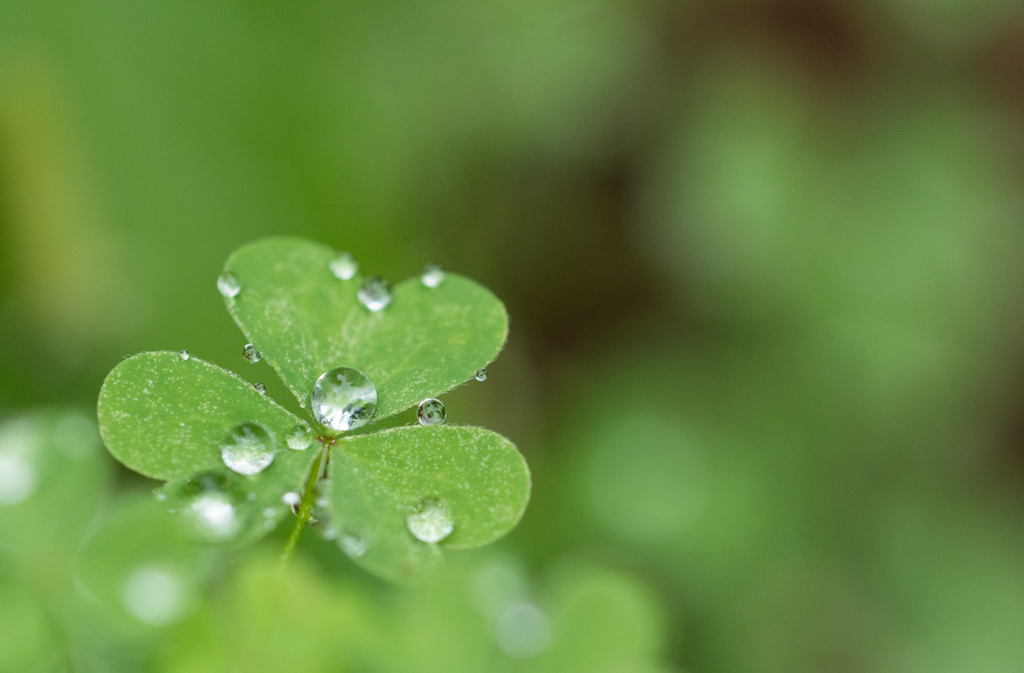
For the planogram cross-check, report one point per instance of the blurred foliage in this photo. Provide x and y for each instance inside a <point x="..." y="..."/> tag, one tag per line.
<point x="761" y="259"/>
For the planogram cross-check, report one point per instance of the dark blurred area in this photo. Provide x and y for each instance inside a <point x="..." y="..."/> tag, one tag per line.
<point x="763" y="266"/>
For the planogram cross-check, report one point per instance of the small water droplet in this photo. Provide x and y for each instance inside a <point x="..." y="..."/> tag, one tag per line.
<point x="248" y="448"/>
<point x="522" y="631"/>
<point x="481" y="374"/>
<point x="159" y="495"/>
<point x="185" y="355"/>
<point x="269" y="513"/>
<point x="343" y="399"/>
<point x="250" y="354"/>
<point x="329" y="533"/>
<point x="430" y="522"/>
<point x="156" y="596"/>
<point x="291" y="498"/>
<point x="353" y="545"/>
<point x="300" y="438"/>
<point x="433" y="275"/>
<point x="430" y="412"/>
<point x="228" y="285"/>
<point x="344" y="266"/>
<point x="209" y="506"/>
<point x="18" y="478"/>
<point x="261" y="388"/>
<point x="374" y="293"/>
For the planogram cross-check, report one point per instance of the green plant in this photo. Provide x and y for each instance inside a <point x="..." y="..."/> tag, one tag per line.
<point x="392" y="498"/>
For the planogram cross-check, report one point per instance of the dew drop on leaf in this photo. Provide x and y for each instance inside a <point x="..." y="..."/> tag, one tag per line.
<point x="185" y="355"/>
<point x="300" y="438"/>
<point x="209" y="507"/>
<point x="155" y="596"/>
<point x="261" y="388"/>
<point x="431" y="521"/>
<point x="481" y="374"/>
<point x="248" y="448"/>
<point x="250" y="354"/>
<point x="433" y="275"/>
<point x="344" y="266"/>
<point x="228" y="285"/>
<point x="430" y="412"/>
<point x="353" y="545"/>
<point x="343" y="399"/>
<point x="374" y="293"/>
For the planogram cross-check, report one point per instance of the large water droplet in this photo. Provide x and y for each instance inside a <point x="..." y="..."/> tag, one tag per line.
<point x="185" y="355"/>
<point x="18" y="479"/>
<point x="522" y="631"/>
<point x="343" y="399"/>
<point x="433" y="275"/>
<point x="344" y="266"/>
<point x="300" y="438"/>
<point x="248" y="448"/>
<point x="353" y="544"/>
<point x="430" y="412"/>
<point x="431" y="521"/>
<point x="228" y="285"/>
<point x="481" y="374"/>
<point x="250" y="354"/>
<point x="210" y="507"/>
<point x="156" y="596"/>
<point x="374" y="293"/>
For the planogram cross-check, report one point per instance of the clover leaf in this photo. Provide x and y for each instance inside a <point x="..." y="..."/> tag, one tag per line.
<point x="391" y="498"/>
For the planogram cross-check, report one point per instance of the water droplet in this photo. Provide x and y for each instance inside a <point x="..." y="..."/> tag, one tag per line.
<point x="269" y="513"/>
<point x="329" y="533"/>
<point x="300" y="438"/>
<point x="481" y="374"/>
<point x="343" y="399"/>
<point x="250" y="354"/>
<point x="374" y="293"/>
<point x="185" y="355"/>
<point x="248" y="448"/>
<point x="228" y="285"/>
<point x="159" y="495"/>
<point x="430" y="522"/>
<point x="353" y="545"/>
<point x="344" y="266"/>
<point x="291" y="498"/>
<point x="430" y="412"/>
<point x="433" y="275"/>
<point x="156" y="596"/>
<point x="522" y="631"/>
<point x="261" y="388"/>
<point x="209" y="506"/>
<point x="18" y="479"/>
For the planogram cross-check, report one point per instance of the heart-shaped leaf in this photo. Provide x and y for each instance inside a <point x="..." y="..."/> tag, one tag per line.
<point x="166" y="417"/>
<point x="474" y="478"/>
<point x="306" y="321"/>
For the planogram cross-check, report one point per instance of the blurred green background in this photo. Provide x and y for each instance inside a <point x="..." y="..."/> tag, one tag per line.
<point x="763" y="266"/>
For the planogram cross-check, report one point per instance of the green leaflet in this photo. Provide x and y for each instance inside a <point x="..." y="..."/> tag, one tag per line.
<point x="377" y="480"/>
<point x="305" y="322"/>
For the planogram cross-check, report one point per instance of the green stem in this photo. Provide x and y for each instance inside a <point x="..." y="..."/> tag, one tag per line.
<point x="306" y="508"/>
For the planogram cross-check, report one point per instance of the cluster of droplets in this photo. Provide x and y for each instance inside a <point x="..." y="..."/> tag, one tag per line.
<point x="375" y="292"/>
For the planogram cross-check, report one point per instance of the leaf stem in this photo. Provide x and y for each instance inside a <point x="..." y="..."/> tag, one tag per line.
<point x="306" y="508"/>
